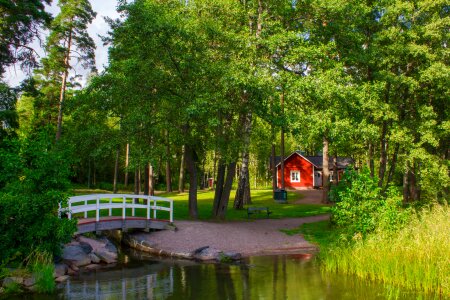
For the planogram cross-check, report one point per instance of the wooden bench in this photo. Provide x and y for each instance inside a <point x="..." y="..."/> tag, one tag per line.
<point x="258" y="210"/>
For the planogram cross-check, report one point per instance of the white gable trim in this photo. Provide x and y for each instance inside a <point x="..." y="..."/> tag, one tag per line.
<point x="295" y="152"/>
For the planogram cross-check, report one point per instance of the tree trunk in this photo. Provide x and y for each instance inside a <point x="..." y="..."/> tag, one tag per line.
<point x="147" y="179"/>
<point x="220" y="210"/>
<point x="192" y="169"/>
<point x="243" y="189"/>
<point x="181" y="178"/>
<point x="392" y="165"/>
<point x="168" y="173"/>
<point x="62" y="93"/>
<point x="214" y="169"/>
<point x="94" y="177"/>
<point x="371" y="162"/>
<point x="219" y="186"/>
<point x="127" y="159"/>
<point x="274" y="171"/>
<point x="116" y="171"/>
<point x="282" y="145"/>
<point x="413" y="186"/>
<point x="325" y="171"/>
<point x="89" y="173"/>
<point x="406" y="184"/>
<point x="335" y="170"/>
<point x="137" y="181"/>
<point x="151" y="181"/>
<point x="383" y="154"/>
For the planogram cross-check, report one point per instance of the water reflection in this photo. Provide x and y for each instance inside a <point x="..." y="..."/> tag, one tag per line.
<point x="276" y="277"/>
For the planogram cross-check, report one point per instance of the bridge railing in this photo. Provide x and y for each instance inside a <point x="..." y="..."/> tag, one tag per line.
<point x="98" y="202"/>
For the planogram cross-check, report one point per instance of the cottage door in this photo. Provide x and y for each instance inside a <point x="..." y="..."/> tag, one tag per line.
<point x="317" y="178"/>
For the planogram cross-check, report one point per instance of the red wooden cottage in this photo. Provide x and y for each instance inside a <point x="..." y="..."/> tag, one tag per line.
<point x="303" y="172"/>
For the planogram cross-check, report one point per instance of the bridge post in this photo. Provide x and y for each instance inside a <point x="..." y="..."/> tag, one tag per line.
<point x="171" y="211"/>
<point x="97" y="212"/>
<point x="97" y="215"/>
<point x="148" y="208"/>
<point x="85" y="213"/>
<point x="124" y="207"/>
<point x="154" y="210"/>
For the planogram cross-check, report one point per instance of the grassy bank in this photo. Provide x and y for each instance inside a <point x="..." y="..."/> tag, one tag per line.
<point x="415" y="257"/>
<point x="205" y="201"/>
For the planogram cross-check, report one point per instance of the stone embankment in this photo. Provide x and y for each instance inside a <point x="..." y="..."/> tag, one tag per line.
<point x="80" y="254"/>
<point x="204" y="253"/>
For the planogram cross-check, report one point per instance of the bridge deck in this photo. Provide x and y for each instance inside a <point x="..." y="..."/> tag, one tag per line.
<point x="109" y="223"/>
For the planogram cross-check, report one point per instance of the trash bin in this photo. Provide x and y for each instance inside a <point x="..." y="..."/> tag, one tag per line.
<point x="280" y="196"/>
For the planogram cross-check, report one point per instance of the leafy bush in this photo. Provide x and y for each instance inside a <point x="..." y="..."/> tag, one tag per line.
<point x="30" y="198"/>
<point x="361" y="208"/>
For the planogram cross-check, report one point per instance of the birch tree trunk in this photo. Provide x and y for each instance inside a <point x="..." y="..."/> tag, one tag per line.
<point x="243" y="190"/>
<point x="151" y="180"/>
<point x="220" y="207"/>
<point x="62" y="93"/>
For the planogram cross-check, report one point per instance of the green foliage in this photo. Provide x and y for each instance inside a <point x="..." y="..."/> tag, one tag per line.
<point x="20" y="22"/>
<point x="30" y="199"/>
<point x="8" y="114"/>
<point x="361" y="207"/>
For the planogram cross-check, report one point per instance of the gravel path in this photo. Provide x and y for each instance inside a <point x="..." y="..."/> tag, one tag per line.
<point x="261" y="236"/>
<point x="310" y="197"/>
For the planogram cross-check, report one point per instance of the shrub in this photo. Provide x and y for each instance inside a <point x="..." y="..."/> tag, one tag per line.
<point x="361" y="208"/>
<point x="29" y="201"/>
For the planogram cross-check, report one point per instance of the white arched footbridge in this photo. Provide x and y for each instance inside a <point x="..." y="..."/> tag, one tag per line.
<point x="99" y="212"/>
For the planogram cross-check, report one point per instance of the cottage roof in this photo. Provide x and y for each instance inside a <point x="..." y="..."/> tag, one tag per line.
<point x="317" y="161"/>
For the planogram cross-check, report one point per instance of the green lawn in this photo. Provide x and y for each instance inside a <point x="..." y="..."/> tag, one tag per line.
<point x="205" y="201"/>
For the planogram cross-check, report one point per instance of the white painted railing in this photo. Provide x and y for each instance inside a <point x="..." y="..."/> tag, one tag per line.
<point x="83" y="204"/>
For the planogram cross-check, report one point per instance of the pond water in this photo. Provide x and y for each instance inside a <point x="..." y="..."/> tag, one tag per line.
<point x="269" y="277"/>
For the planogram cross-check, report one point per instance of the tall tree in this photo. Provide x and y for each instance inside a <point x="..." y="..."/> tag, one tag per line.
<point x="69" y="38"/>
<point x="20" y="23"/>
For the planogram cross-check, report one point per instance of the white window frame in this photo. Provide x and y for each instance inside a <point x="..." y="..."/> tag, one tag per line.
<point x="292" y="172"/>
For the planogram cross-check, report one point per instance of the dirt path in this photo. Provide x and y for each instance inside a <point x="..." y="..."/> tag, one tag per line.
<point x="310" y="197"/>
<point x="249" y="238"/>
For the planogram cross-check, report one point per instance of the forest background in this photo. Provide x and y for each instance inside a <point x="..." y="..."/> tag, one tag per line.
<point x="216" y="89"/>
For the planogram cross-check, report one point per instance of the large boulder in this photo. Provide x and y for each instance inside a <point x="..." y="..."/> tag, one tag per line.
<point x="106" y="256"/>
<point x="103" y="249"/>
<point x="86" y="247"/>
<point x="75" y="255"/>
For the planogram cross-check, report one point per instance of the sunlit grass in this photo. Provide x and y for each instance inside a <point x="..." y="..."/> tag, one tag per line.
<point x="259" y="198"/>
<point x="416" y="257"/>
<point x="205" y="201"/>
